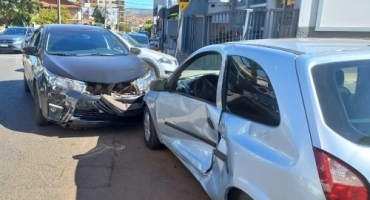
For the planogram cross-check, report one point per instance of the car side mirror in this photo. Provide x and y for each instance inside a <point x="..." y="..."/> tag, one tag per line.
<point x="29" y="50"/>
<point x="135" y="50"/>
<point x="159" y="85"/>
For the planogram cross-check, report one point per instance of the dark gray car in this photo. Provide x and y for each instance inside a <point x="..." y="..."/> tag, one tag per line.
<point x="83" y="75"/>
<point x="13" y="38"/>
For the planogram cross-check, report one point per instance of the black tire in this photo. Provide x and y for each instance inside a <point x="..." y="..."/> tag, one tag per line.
<point x="150" y="135"/>
<point x="39" y="118"/>
<point x="26" y="88"/>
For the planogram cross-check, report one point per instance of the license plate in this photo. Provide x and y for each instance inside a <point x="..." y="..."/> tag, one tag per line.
<point x="3" y="45"/>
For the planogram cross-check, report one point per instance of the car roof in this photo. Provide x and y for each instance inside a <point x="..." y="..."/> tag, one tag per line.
<point x="72" y="26"/>
<point x="310" y="45"/>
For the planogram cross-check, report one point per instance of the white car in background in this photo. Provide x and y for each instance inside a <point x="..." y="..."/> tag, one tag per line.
<point x="163" y="65"/>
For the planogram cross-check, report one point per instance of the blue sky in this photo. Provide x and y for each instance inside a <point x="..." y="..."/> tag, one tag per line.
<point x="139" y="4"/>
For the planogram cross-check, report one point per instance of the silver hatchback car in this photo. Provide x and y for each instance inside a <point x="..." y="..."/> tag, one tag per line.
<point x="269" y="119"/>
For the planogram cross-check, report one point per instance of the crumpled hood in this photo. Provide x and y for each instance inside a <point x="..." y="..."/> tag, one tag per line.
<point x="156" y="54"/>
<point x="96" y="69"/>
<point x="11" y="37"/>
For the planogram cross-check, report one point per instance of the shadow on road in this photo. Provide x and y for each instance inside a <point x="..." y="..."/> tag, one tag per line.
<point x="118" y="167"/>
<point x="19" y="70"/>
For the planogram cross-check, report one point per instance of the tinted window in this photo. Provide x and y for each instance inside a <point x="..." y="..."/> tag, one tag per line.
<point x="130" y="40"/>
<point x="343" y="90"/>
<point x="141" y="39"/>
<point x="249" y="93"/>
<point x="84" y="42"/>
<point x="15" y="31"/>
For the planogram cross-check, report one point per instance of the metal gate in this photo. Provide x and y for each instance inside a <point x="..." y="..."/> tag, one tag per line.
<point x="250" y="24"/>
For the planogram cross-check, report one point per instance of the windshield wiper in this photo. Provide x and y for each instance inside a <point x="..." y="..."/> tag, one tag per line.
<point x="62" y="54"/>
<point x="96" y="54"/>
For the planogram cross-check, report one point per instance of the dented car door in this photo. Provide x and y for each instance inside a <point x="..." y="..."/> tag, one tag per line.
<point x="188" y="115"/>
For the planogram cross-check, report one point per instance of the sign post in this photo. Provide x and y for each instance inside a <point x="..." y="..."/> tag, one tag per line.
<point x="183" y="4"/>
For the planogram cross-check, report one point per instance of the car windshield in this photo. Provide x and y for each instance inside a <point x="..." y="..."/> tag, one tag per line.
<point x="141" y="39"/>
<point x="15" y="31"/>
<point x="130" y="40"/>
<point x="343" y="90"/>
<point x="84" y="42"/>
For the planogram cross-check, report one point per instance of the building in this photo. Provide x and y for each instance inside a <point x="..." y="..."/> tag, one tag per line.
<point x="218" y="21"/>
<point x="74" y="8"/>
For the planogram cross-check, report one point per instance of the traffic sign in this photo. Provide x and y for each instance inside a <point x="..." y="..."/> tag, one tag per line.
<point x="183" y="4"/>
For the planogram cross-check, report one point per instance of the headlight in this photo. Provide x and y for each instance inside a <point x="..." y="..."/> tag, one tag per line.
<point x="18" y="40"/>
<point x="64" y="84"/>
<point x="143" y="82"/>
<point x="165" y="60"/>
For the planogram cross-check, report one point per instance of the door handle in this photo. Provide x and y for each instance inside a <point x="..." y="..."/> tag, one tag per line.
<point x="210" y="123"/>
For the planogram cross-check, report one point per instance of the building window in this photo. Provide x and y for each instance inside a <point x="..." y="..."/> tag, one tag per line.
<point x="249" y="93"/>
<point x="285" y="3"/>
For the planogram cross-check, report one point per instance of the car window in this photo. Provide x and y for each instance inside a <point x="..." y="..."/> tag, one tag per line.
<point x="84" y="42"/>
<point x="130" y="40"/>
<point x="35" y="40"/>
<point x="249" y="92"/>
<point x="140" y="39"/>
<point x="199" y="78"/>
<point x="15" y="31"/>
<point x="343" y="91"/>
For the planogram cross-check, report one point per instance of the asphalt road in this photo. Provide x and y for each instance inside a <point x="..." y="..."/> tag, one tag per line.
<point x="57" y="163"/>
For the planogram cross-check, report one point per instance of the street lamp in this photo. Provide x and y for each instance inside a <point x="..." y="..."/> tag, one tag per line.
<point x="58" y="8"/>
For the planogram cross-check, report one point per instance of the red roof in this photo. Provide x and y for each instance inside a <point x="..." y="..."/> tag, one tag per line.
<point x="63" y="3"/>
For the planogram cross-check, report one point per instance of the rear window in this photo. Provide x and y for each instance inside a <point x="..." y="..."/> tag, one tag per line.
<point x="141" y="39"/>
<point x="343" y="90"/>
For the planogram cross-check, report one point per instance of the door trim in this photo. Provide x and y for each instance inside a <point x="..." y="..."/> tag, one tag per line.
<point x="205" y="140"/>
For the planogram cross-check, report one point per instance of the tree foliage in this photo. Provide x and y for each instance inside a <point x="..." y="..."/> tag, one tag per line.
<point x="50" y="16"/>
<point x="18" y="12"/>
<point x="124" y="27"/>
<point x="98" y="15"/>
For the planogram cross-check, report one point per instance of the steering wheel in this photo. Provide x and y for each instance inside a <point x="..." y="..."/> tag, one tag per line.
<point x="204" y="89"/>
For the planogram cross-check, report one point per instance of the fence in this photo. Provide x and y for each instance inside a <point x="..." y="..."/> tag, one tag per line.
<point x="250" y="24"/>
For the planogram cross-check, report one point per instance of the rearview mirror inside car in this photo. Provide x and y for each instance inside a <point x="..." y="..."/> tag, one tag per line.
<point x="159" y="84"/>
<point x="135" y="51"/>
<point x="29" y="50"/>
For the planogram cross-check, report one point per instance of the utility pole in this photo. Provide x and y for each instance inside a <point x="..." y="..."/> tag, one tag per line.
<point x="105" y="14"/>
<point x="82" y="11"/>
<point x="58" y="8"/>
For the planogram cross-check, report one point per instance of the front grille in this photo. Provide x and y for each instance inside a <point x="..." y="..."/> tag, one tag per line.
<point x="6" y="41"/>
<point x="118" y="88"/>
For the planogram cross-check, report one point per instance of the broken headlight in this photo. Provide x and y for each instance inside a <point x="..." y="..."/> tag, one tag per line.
<point x="143" y="82"/>
<point x="59" y="83"/>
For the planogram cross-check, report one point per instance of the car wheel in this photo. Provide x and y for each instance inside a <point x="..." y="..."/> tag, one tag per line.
<point x="26" y="88"/>
<point x="150" y="135"/>
<point x="39" y="118"/>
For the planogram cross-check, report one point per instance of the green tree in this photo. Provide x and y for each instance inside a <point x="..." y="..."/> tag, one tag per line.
<point x="124" y="27"/>
<point x="149" y="21"/>
<point x="50" y="16"/>
<point x="98" y="15"/>
<point x="17" y="11"/>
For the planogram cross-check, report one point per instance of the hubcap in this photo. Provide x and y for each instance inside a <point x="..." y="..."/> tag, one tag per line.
<point x="147" y="126"/>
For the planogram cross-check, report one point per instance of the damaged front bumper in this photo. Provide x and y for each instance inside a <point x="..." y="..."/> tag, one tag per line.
<point x="93" y="105"/>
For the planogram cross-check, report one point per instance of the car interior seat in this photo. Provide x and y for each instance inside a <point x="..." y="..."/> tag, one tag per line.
<point x="344" y="92"/>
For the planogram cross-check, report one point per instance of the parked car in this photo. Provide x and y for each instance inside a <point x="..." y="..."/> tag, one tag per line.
<point x="142" y="39"/>
<point x="269" y="119"/>
<point x="83" y="75"/>
<point x="13" y="38"/>
<point x="163" y="65"/>
<point x="144" y="32"/>
<point x="154" y="44"/>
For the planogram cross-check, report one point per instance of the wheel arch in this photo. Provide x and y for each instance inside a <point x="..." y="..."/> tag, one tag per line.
<point x="234" y="193"/>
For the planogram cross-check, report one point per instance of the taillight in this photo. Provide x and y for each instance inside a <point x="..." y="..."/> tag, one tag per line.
<point x="337" y="180"/>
